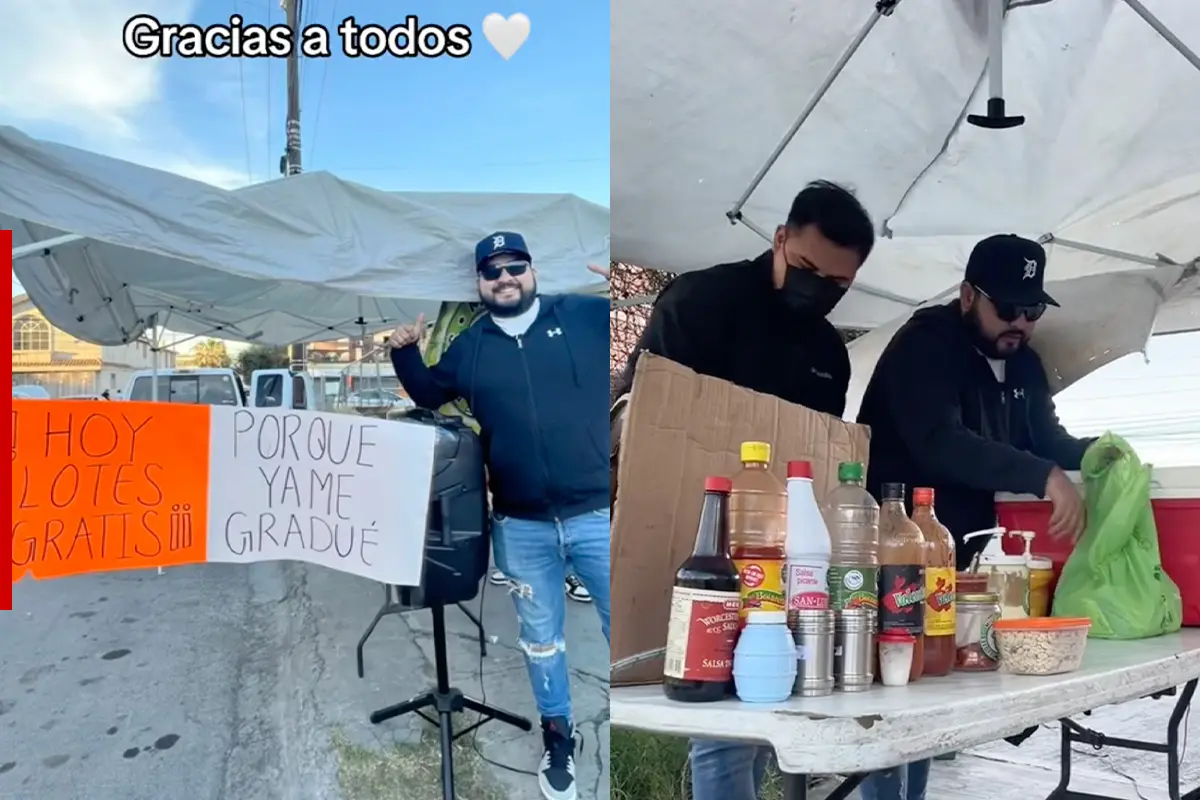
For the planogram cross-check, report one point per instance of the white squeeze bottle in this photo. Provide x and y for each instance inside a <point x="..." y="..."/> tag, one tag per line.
<point x="807" y="547"/>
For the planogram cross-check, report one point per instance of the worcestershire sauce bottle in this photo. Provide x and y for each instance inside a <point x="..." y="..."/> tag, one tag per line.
<point x="705" y="603"/>
<point x="902" y="560"/>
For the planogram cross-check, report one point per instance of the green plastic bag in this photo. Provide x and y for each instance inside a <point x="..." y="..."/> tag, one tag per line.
<point x="1115" y="576"/>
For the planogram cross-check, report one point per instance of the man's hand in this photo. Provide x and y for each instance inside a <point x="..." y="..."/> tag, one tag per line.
<point x="407" y="333"/>
<point x="1069" y="516"/>
<point x="603" y="272"/>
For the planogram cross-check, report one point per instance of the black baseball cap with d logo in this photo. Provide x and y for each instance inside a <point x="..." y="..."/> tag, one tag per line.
<point x="1011" y="272"/>
<point x="498" y="243"/>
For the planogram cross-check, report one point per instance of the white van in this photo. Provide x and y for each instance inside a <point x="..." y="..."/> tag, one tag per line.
<point x="221" y="386"/>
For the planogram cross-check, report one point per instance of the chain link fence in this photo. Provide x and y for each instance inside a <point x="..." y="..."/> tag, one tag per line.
<point x="631" y="291"/>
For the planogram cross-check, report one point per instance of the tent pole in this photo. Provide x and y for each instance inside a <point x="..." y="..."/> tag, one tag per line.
<point x="44" y="247"/>
<point x="1165" y="32"/>
<point x="883" y="8"/>
<point x="289" y="165"/>
<point x="1158" y="261"/>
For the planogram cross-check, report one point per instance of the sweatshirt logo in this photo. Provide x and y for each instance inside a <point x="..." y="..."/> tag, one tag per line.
<point x="554" y="332"/>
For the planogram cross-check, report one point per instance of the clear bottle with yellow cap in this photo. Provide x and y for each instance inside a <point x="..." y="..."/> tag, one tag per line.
<point x="758" y="530"/>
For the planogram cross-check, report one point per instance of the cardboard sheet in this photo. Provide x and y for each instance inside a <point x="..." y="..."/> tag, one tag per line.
<point x="680" y="428"/>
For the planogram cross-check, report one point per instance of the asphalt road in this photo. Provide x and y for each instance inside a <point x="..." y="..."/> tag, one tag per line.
<point x="225" y="682"/>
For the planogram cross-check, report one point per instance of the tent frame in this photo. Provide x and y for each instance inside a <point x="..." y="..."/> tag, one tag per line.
<point x="885" y="8"/>
<point x="46" y="249"/>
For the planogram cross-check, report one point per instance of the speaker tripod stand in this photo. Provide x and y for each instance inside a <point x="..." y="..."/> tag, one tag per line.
<point x="443" y="700"/>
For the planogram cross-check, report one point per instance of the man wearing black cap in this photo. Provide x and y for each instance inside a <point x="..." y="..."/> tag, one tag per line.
<point x="959" y="402"/>
<point x="534" y="373"/>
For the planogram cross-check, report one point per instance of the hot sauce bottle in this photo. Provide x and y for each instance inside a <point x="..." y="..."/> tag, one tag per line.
<point x="940" y="574"/>
<point x="705" y="605"/>
<point x="902" y="559"/>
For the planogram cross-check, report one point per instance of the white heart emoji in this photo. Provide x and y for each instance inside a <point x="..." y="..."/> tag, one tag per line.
<point x="506" y="35"/>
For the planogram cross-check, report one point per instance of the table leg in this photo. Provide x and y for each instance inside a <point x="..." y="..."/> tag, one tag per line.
<point x="795" y="787"/>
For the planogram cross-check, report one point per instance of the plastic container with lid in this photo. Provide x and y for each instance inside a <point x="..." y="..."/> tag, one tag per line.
<point x="1042" y="646"/>
<point x="896" y="652"/>
<point x="764" y="661"/>
<point x="1008" y="575"/>
<point x="758" y="530"/>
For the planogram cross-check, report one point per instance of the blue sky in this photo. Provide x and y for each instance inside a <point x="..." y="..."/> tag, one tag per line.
<point x="538" y="122"/>
<point x="535" y="123"/>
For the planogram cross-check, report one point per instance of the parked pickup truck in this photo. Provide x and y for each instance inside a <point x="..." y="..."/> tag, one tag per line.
<point x="214" y="386"/>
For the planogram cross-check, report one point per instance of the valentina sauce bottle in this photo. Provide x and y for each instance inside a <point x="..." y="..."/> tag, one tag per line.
<point x="705" y="604"/>
<point x="902" y="557"/>
<point x="940" y="648"/>
<point x="758" y="530"/>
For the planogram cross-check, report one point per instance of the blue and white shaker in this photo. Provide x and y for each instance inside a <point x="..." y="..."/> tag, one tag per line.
<point x="764" y="661"/>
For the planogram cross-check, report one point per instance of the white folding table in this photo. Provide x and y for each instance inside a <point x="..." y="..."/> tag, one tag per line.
<point x="854" y="734"/>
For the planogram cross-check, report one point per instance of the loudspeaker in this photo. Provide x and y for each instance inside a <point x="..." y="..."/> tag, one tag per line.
<point x="458" y="534"/>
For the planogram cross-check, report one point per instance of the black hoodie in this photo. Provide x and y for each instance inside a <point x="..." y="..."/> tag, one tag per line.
<point x="730" y="322"/>
<point x="940" y="418"/>
<point x="541" y="400"/>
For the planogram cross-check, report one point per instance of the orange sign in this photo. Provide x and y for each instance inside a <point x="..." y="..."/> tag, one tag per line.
<point x="102" y="486"/>
<point x="6" y="247"/>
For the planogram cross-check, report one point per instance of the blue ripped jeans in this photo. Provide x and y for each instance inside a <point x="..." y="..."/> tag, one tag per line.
<point x="535" y="556"/>
<point x="723" y="770"/>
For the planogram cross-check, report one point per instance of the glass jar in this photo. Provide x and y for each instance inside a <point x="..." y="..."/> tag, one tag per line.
<point x="974" y="638"/>
<point x="971" y="582"/>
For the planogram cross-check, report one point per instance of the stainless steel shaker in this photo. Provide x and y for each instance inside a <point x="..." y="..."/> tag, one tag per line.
<point x="854" y="649"/>
<point x="812" y="630"/>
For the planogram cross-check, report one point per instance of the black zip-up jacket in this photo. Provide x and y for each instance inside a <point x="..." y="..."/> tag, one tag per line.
<point x="940" y="418"/>
<point x="729" y="322"/>
<point x="540" y="400"/>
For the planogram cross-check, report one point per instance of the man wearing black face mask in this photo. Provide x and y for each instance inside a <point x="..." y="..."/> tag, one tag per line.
<point x="761" y="325"/>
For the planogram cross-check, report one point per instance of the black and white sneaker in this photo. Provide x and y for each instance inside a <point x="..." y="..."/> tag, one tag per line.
<point x="577" y="591"/>
<point x="556" y="772"/>
<point x="497" y="578"/>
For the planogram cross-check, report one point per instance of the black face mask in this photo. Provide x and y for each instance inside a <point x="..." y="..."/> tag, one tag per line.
<point x="806" y="292"/>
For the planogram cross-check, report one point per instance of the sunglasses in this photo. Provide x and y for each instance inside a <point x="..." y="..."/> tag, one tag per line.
<point x="516" y="269"/>
<point x="1011" y="312"/>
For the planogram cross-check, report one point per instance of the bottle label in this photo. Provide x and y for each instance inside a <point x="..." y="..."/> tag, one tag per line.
<point x="807" y="586"/>
<point x="853" y="587"/>
<point x="987" y="638"/>
<point x="902" y="598"/>
<point x="701" y="633"/>
<point x="762" y="584"/>
<point x="939" y="601"/>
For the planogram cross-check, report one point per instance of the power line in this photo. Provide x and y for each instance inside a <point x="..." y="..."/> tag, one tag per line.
<point x="316" y="128"/>
<point x="477" y="165"/>
<point x="245" y="111"/>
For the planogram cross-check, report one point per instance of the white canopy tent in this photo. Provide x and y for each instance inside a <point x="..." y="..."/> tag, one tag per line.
<point x="1105" y="169"/>
<point x="108" y="250"/>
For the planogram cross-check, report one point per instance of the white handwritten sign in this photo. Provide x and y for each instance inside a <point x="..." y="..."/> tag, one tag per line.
<point x="346" y="492"/>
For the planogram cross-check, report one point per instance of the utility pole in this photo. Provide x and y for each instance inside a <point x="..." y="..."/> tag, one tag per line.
<point x="289" y="164"/>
